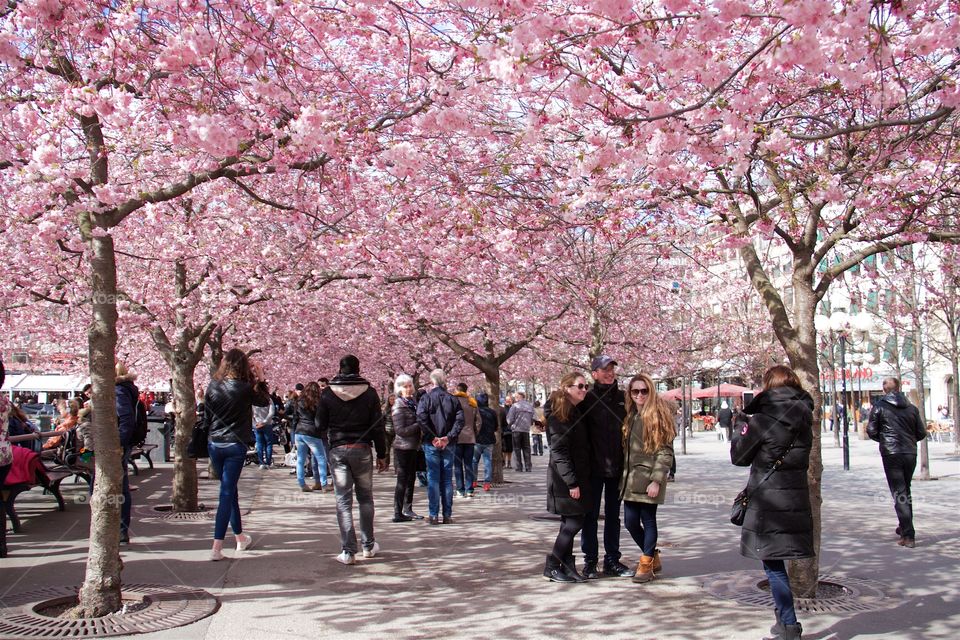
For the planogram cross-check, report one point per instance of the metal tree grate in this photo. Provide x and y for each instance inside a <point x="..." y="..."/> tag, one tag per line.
<point x="835" y="594"/>
<point x="166" y="513"/>
<point x="156" y="607"/>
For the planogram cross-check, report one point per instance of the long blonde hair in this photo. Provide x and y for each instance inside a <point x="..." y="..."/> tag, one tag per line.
<point x="656" y="413"/>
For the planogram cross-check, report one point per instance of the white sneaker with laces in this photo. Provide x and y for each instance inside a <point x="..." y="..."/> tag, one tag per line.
<point x="346" y="557"/>
<point x="372" y="551"/>
<point x="244" y="542"/>
<point x="216" y="555"/>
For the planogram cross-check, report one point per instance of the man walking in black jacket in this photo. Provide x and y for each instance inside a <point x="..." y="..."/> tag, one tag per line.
<point x="896" y="425"/>
<point x="604" y="413"/>
<point x="349" y="411"/>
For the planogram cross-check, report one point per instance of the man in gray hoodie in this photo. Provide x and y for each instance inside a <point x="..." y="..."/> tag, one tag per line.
<point x="520" y="419"/>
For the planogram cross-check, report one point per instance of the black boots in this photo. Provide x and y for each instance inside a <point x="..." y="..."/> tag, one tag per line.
<point x="616" y="569"/>
<point x="554" y="571"/>
<point x="590" y="570"/>
<point x="782" y="631"/>
<point x="570" y="567"/>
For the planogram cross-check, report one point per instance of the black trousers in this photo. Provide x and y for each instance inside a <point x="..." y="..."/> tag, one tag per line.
<point x="570" y="526"/>
<point x="405" y="462"/>
<point x="899" y="471"/>
<point x="521" y="450"/>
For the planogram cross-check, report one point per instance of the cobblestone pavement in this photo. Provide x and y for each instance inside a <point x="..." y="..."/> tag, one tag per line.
<point x="480" y="577"/>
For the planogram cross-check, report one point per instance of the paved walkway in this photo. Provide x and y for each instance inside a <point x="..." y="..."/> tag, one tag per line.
<point x="480" y="578"/>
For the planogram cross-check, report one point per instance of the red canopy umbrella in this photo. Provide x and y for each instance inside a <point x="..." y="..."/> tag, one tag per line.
<point x="726" y="391"/>
<point x="672" y="394"/>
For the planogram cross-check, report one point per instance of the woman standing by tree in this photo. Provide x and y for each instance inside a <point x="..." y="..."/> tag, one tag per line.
<point x="648" y="433"/>
<point x="778" y="525"/>
<point x="228" y="416"/>
<point x="568" y="480"/>
<point x="406" y="444"/>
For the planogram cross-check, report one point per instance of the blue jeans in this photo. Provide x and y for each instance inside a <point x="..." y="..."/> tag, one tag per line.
<point x="264" y="437"/>
<point x="227" y="463"/>
<point x="640" y="519"/>
<point x="611" y="525"/>
<point x="127" y="505"/>
<point x="780" y="588"/>
<point x="484" y="451"/>
<point x="353" y="469"/>
<point x="308" y="446"/>
<point x="463" y="471"/>
<point x="439" y="479"/>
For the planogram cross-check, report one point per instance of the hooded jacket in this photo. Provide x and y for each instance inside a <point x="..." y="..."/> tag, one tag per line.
<point x="487" y="433"/>
<point x="779" y="522"/>
<point x="228" y="410"/>
<point x="896" y="425"/>
<point x="471" y="418"/>
<point x="520" y="417"/>
<point x="604" y="412"/>
<point x="439" y="415"/>
<point x="641" y="468"/>
<point x="349" y="411"/>
<point x="127" y="396"/>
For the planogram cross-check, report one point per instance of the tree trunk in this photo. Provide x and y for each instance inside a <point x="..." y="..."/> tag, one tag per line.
<point x="492" y="377"/>
<point x="185" y="489"/>
<point x="804" y="574"/>
<point x="100" y="593"/>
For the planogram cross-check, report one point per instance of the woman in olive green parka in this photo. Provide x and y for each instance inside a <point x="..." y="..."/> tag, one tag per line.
<point x="648" y="433"/>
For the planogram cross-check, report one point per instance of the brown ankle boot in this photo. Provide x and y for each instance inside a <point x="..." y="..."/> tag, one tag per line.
<point x="657" y="567"/>
<point x="644" y="570"/>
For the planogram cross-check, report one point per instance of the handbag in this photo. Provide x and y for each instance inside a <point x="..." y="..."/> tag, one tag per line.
<point x="738" y="511"/>
<point x="197" y="448"/>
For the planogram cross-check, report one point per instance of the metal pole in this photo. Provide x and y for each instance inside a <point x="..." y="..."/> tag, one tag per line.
<point x="846" y="421"/>
<point x="683" y="416"/>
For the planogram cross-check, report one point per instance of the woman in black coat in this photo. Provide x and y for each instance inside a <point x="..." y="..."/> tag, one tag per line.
<point x="779" y="523"/>
<point x="568" y="479"/>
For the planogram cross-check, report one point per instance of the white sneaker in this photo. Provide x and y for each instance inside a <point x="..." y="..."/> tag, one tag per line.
<point x="346" y="557"/>
<point x="216" y="555"/>
<point x="372" y="551"/>
<point x="244" y="542"/>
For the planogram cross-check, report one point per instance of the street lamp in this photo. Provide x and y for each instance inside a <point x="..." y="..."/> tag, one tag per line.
<point x="845" y="326"/>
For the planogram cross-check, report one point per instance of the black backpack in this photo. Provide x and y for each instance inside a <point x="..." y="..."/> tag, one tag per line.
<point x="140" y="425"/>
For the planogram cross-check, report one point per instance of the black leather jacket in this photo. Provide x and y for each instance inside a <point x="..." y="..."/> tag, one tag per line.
<point x="306" y="422"/>
<point x="896" y="425"/>
<point x="228" y="410"/>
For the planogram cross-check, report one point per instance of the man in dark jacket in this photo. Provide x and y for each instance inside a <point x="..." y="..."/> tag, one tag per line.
<point x="127" y="397"/>
<point x="604" y="413"/>
<point x="349" y="412"/>
<point x="440" y="417"/>
<point x="486" y="439"/>
<point x="896" y="425"/>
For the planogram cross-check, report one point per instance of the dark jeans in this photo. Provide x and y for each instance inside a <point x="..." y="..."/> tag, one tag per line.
<point x="570" y="526"/>
<point x="463" y="473"/>
<point x="611" y="525"/>
<point x="227" y="463"/>
<point x="439" y="480"/>
<point x="899" y="471"/>
<point x="780" y="588"/>
<point x="405" y="462"/>
<point x="640" y="519"/>
<point x="353" y="469"/>
<point x="127" y="505"/>
<point x="537" y="444"/>
<point x="521" y="451"/>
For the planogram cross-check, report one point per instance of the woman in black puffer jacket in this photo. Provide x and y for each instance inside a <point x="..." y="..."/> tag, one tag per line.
<point x="568" y="478"/>
<point x="779" y="523"/>
<point x="406" y="443"/>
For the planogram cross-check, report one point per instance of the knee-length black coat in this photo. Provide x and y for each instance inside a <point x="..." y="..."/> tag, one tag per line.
<point x="778" y="523"/>
<point x="569" y="464"/>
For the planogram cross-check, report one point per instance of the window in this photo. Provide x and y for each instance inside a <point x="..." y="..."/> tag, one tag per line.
<point x="890" y="349"/>
<point x="908" y="348"/>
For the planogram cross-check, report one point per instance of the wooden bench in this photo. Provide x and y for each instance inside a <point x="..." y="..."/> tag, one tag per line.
<point x="142" y="451"/>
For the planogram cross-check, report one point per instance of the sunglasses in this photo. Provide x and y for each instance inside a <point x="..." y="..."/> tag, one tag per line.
<point x="639" y="392"/>
<point x="581" y="386"/>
